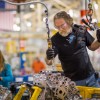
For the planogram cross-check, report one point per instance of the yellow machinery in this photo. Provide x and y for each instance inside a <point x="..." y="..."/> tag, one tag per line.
<point x="85" y="92"/>
<point x="35" y="92"/>
<point x="89" y="92"/>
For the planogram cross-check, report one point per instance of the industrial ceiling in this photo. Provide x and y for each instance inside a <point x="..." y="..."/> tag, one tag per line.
<point x="32" y="17"/>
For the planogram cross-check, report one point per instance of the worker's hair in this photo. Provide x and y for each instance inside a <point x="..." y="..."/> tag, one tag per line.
<point x="65" y="16"/>
<point x="2" y="60"/>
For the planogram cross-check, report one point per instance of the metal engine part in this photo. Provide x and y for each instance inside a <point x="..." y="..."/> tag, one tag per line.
<point x="5" y="94"/>
<point x="59" y="87"/>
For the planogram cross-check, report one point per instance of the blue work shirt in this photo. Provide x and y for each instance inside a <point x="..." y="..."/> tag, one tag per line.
<point x="6" y="75"/>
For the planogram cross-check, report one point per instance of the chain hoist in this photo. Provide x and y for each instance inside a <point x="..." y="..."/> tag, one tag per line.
<point x="88" y="21"/>
<point x="46" y="13"/>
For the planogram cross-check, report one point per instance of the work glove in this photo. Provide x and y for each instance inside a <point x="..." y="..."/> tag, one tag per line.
<point x="50" y="53"/>
<point x="98" y="35"/>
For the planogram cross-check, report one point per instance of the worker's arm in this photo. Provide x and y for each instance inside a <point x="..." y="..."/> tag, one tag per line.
<point x="48" y="62"/>
<point x="9" y="76"/>
<point x="96" y="44"/>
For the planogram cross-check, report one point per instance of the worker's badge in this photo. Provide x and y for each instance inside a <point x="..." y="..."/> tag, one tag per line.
<point x="71" y="38"/>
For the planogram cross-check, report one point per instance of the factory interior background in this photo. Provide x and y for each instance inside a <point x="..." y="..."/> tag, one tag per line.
<point x="23" y="32"/>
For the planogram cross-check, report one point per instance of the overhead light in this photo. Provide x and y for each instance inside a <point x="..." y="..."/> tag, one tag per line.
<point x="44" y="19"/>
<point x="96" y="6"/>
<point x="70" y="12"/>
<point x="16" y="27"/>
<point x="94" y="20"/>
<point x="32" y="6"/>
<point x="29" y="24"/>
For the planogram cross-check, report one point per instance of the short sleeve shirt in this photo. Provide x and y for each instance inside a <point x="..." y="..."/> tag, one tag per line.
<point x="73" y="54"/>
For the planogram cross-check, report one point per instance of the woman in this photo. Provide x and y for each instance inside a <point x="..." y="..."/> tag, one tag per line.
<point x="5" y="72"/>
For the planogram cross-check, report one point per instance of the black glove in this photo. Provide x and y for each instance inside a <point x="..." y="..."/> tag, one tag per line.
<point x="98" y="35"/>
<point x="50" y="53"/>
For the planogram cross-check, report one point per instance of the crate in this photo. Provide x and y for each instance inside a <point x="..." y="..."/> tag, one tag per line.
<point x="89" y="92"/>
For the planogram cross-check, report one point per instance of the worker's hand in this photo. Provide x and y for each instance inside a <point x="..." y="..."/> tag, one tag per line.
<point x="50" y="53"/>
<point x="98" y="35"/>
